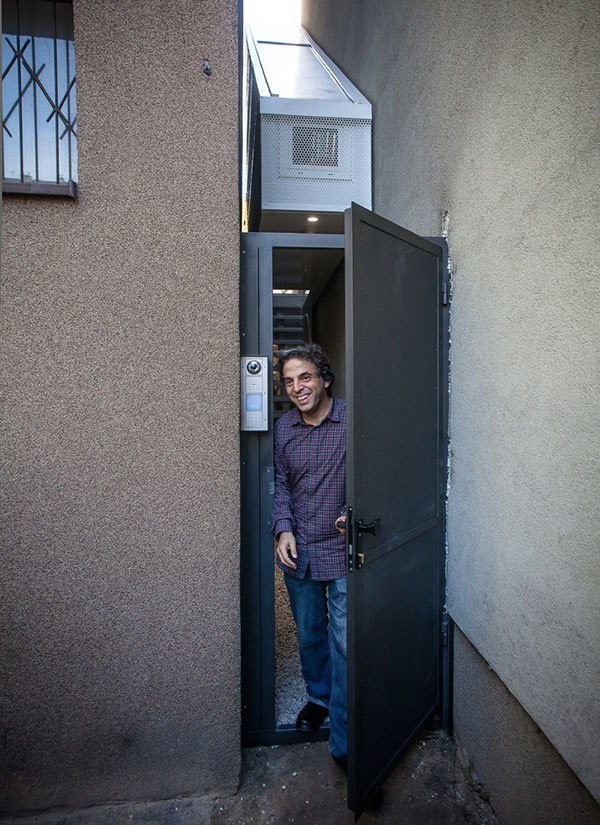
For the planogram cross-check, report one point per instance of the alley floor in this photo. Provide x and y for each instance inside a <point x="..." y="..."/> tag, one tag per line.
<point x="301" y="785"/>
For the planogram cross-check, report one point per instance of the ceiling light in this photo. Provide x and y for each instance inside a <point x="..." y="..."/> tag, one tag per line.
<point x="312" y="219"/>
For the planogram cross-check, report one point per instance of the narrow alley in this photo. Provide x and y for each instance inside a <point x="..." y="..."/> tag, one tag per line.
<point x="300" y="784"/>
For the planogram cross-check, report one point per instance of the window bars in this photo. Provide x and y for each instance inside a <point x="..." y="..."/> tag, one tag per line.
<point x="39" y="109"/>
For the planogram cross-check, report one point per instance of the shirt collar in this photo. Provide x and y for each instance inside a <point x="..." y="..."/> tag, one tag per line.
<point x="334" y="414"/>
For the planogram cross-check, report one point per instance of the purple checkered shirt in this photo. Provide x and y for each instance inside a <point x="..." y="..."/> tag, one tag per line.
<point x="310" y="491"/>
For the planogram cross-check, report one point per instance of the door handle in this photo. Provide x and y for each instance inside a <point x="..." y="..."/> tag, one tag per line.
<point x="372" y="527"/>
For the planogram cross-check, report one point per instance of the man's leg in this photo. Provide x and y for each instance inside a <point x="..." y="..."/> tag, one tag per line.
<point x="338" y="738"/>
<point x="309" y="608"/>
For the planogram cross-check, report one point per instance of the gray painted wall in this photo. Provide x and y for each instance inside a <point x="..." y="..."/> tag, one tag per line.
<point x="120" y="456"/>
<point x="527" y="781"/>
<point x="489" y="110"/>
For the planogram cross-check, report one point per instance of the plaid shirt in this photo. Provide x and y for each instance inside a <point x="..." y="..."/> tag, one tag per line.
<point x="310" y="491"/>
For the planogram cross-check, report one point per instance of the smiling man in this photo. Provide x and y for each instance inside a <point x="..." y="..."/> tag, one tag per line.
<point x="308" y="511"/>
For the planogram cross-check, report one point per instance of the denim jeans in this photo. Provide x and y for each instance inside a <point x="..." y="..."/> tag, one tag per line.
<point x="322" y="645"/>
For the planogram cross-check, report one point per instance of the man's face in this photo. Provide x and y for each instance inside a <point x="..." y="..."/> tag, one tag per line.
<point x="304" y="385"/>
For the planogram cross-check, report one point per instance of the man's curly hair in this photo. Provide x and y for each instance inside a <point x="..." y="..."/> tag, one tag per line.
<point x="313" y="353"/>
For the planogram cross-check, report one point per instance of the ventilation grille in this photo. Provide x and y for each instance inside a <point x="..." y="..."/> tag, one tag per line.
<point x="314" y="163"/>
<point x="314" y="146"/>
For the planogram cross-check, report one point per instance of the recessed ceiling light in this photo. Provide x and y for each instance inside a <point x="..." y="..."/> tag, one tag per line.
<point x="312" y="219"/>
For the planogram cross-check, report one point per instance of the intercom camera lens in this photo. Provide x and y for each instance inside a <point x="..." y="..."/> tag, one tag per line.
<point x="253" y="367"/>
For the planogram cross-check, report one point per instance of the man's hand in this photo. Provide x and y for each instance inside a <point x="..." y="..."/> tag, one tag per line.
<point x="286" y="549"/>
<point x="340" y="524"/>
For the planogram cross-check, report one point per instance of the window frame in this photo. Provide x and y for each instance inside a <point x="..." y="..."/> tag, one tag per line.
<point x="60" y="101"/>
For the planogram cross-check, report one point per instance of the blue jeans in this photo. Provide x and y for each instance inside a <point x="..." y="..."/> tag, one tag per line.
<point x="322" y="645"/>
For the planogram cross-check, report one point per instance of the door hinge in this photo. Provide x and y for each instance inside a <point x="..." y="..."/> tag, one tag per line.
<point x="444" y="293"/>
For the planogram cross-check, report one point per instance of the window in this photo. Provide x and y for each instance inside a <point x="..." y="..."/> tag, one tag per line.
<point x="39" y="109"/>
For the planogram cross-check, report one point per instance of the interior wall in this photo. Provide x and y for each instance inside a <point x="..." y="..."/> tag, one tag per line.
<point x="329" y="327"/>
<point x="488" y="110"/>
<point x="290" y="688"/>
<point x="328" y="322"/>
<point x="120" y="447"/>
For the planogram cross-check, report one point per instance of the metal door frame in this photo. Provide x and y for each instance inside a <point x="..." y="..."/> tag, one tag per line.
<point x="256" y="450"/>
<point x="257" y="565"/>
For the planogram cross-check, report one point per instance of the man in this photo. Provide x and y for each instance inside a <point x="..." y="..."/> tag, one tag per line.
<point x="308" y="524"/>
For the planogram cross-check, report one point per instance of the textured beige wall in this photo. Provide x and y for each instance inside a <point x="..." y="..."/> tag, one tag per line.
<point x="120" y="427"/>
<point x="489" y="110"/>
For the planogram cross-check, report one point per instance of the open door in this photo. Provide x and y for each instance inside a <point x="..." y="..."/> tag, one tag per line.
<point x="396" y="470"/>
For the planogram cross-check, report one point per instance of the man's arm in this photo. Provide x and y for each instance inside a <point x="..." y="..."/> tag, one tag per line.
<point x="283" y="513"/>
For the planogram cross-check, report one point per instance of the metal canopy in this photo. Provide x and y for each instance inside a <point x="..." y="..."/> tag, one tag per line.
<point x="295" y="76"/>
<point x="294" y="70"/>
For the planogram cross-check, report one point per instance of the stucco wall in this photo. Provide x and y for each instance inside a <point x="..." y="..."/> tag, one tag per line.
<point x="528" y="783"/>
<point x="120" y="453"/>
<point x="489" y="110"/>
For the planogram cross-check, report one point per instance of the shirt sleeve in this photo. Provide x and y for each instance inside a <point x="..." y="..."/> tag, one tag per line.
<point x="283" y="512"/>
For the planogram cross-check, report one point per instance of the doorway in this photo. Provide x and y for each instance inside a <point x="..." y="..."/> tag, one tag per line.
<point x="376" y="300"/>
<point x="308" y="306"/>
<point x="293" y="293"/>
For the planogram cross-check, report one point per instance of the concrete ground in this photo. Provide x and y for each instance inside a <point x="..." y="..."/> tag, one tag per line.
<point x="301" y="784"/>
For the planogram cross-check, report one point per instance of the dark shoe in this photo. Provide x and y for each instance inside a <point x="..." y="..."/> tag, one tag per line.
<point x="311" y="717"/>
<point x="342" y="761"/>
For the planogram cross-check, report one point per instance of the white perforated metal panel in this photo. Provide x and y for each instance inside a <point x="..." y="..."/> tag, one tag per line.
<point x="315" y="163"/>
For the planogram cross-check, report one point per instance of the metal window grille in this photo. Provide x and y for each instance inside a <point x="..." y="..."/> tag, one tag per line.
<point x="314" y="147"/>
<point x="39" y="107"/>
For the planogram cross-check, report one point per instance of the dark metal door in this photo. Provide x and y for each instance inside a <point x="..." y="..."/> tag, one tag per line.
<point x="395" y="489"/>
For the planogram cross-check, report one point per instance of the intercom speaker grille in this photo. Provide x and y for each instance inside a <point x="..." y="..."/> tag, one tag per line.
<point x="315" y="163"/>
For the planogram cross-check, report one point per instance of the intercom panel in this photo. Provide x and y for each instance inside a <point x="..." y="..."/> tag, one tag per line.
<point x="254" y="375"/>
